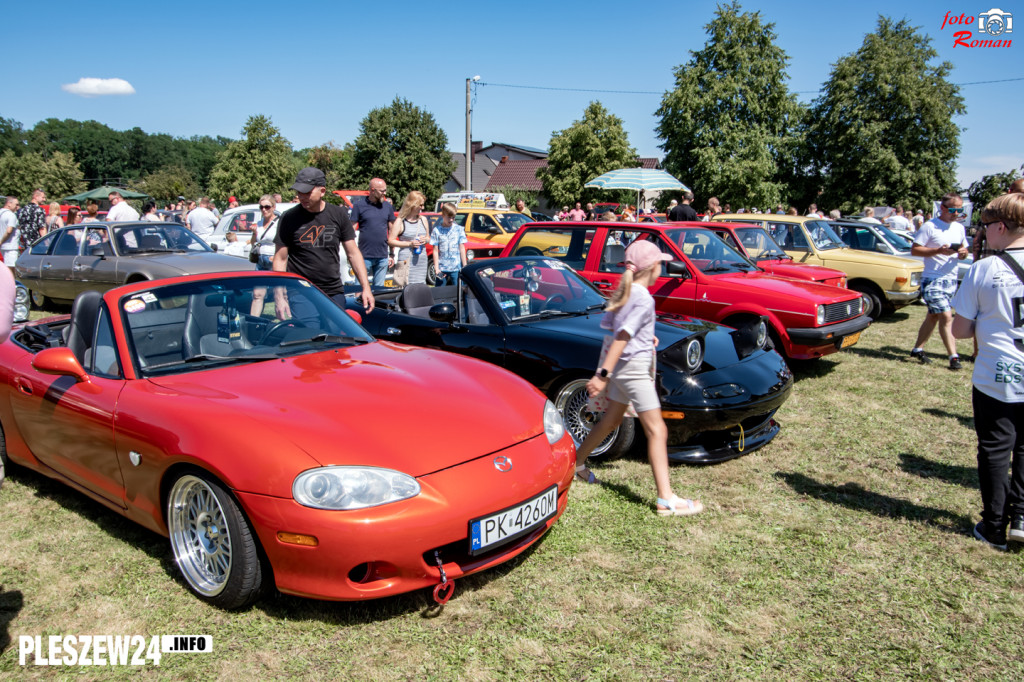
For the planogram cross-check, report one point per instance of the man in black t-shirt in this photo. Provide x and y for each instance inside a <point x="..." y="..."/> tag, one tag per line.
<point x="308" y="240"/>
<point x="683" y="211"/>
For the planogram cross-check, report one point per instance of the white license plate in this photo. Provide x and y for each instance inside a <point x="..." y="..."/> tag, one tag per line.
<point x="488" y="531"/>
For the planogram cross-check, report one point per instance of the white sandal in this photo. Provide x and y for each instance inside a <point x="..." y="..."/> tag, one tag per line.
<point x="679" y="506"/>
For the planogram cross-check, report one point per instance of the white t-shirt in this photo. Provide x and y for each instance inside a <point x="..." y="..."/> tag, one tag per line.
<point x="202" y="222"/>
<point x="869" y="219"/>
<point x="8" y="218"/>
<point x="898" y="222"/>
<point x="636" y="317"/>
<point x="993" y="296"/>
<point x="938" y="233"/>
<point x="122" y="212"/>
<point x="237" y="248"/>
<point x="267" y="246"/>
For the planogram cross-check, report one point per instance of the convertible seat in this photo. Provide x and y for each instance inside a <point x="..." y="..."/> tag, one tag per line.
<point x="82" y="329"/>
<point x="417" y="299"/>
<point x="201" y="333"/>
<point x="614" y="258"/>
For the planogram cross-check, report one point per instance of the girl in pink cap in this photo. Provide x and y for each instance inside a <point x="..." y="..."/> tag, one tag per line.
<point x="626" y="374"/>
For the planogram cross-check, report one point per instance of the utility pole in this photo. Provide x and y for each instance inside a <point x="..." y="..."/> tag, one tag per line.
<point x="469" y="143"/>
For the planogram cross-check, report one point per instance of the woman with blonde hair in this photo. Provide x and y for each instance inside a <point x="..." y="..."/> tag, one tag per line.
<point x="410" y="234"/>
<point x="625" y="373"/>
<point x="53" y="220"/>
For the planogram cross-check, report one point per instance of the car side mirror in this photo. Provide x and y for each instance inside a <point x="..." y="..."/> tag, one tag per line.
<point x="59" y="361"/>
<point x="442" y="312"/>
<point x="677" y="269"/>
<point x="354" y="314"/>
<point x="97" y="250"/>
<point x="494" y="229"/>
<point x="213" y="246"/>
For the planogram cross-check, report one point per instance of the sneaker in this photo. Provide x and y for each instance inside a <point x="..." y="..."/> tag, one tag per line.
<point x="920" y="356"/>
<point x="954" y="363"/>
<point x="1016" y="532"/>
<point x="995" y="539"/>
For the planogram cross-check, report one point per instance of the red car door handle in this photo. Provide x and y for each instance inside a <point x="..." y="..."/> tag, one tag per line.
<point x="24" y="385"/>
<point x="603" y="283"/>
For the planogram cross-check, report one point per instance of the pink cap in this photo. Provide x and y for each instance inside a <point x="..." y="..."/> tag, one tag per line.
<point x="642" y="254"/>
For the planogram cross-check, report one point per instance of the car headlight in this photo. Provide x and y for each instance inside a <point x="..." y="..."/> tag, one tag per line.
<point x="352" y="487"/>
<point x="21" y="294"/>
<point x="694" y="355"/>
<point x="860" y="309"/>
<point x="821" y="314"/>
<point x="554" y="427"/>
<point x="762" y="334"/>
<point x="470" y="255"/>
<point x="915" y="279"/>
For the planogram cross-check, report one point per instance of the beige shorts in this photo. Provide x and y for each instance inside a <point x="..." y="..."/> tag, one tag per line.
<point x="631" y="382"/>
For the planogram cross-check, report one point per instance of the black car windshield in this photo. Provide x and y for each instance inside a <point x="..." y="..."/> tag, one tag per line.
<point x="536" y="288"/>
<point x="759" y="244"/>
<point x="707" y="251"/>
<point x="823" y="236"/>
<point x="231" y="320"/>
<point x="511" y="222"/>
<point x="155" y="238"/>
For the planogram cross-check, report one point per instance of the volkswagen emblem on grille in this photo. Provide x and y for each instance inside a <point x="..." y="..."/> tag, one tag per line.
<point x="502" y="463"/>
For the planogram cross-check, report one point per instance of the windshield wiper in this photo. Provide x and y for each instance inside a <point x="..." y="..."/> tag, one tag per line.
<point x="207" y="357"/>
<point x="324" y="338"/>
<point x="596" y="306"/>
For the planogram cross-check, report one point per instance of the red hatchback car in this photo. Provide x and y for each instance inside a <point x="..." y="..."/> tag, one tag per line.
<point x="754" y="242"/>
<point x="706" y="278"/>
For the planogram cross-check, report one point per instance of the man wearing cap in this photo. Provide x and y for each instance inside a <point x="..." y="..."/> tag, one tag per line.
<point x="308" y="240"/>
<point x="374" y="215"/>
<point x="232" y="202"/>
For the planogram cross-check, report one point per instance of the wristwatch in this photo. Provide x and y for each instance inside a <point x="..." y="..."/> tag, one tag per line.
<point x="602" y="372"/>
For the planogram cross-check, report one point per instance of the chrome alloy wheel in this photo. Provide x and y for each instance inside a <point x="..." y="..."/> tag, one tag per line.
<point x="200" y="538"/>
<point x="572" y="404"/>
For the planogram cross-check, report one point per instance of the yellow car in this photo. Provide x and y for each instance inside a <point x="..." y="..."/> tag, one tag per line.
<point x="886" y="282"/>
<point x="500" y="226"/>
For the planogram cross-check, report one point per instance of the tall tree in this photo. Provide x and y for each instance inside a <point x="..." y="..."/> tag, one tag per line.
<point x="258" y="164"/>
<point x="62" y="176"/>
<point x="12" y="136"/>
<point x="403" y="145"/>
<point x="990" y="186"/>
<point x="728" y="123"/>
<point x="58" y="176"/>
<point x="593" y="145"/>
<point x="882" y="132"/>
<point x="169" y="183"/>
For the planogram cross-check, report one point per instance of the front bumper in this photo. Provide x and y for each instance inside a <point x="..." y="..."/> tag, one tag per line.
<point x="902" y="298"/>
<point x="712" y="447"/>
<point x="814" y="336"/>
<point x="388" y="550"/>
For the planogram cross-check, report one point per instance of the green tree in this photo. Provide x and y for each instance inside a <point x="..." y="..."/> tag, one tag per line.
<point x="62" y="176"/>
<point x="336" y="162"/>
<point x="403" y="145"/>
<point x="20" y="175"/>
<point x="882" y="132"/>
<point x="589" y="147"/>
<point x="258" y="164"/>
<point x="990" y="186"/>
<point x="728" y="123"/>
<point x="169" y="183"/>
<point x="12" y="136"/>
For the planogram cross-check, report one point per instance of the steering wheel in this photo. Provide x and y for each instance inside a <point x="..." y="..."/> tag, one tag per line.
<point x="713" y="263"/>
<point x="554" y="299"/>
<point x="280" y="324"/>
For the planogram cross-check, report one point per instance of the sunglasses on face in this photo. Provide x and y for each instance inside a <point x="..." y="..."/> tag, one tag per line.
<point x="954" y="210"/>
<point x="266" y="208"/>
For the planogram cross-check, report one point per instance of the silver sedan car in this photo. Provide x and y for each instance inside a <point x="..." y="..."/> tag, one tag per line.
<point x="102" y="256"/>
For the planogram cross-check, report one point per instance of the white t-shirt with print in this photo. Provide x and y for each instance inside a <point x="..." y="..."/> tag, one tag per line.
<point x="935" y="233"/>
<point x="993" y="296"/>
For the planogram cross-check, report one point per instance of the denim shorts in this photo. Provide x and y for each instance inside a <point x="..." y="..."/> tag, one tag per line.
<point x="937" y="293"/>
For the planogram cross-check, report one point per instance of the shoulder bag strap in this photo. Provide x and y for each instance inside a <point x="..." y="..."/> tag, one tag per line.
<point x="267" y="228"/>
<point x="1012" y="263"/>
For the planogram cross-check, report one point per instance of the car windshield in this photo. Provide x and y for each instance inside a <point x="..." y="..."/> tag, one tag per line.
<point x="759" y="243"/>
<point x="898" y="241"/>
<point x="822" y="234"/>
<point x="232" y="320"/>
<point x="155" y="238"/>
<point x="511" y="222"/>
<point x="707" y="251"/>
<point x="530" y="289"/>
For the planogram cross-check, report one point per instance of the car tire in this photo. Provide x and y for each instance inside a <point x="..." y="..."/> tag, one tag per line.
<point x="39" y="302"/>
<point x="571" y="401"/>
<point x="213" y="544"/>
<point x="872" y="303"/>
<point x="431" y="275"/>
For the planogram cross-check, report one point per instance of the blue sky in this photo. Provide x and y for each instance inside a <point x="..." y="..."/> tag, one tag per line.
<point x="318" y="69"/>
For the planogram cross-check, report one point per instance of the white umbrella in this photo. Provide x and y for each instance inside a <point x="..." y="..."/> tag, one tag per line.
<point x="636" y="178"/>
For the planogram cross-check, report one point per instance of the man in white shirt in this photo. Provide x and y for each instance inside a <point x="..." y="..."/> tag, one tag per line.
<point x="942" y="242"/>
<point x="898" y="222"/>
<point x="869" y="216"/>
<point x="9" y="237"/>
<point x="120" y="210"/>
<point x="201" y="219"/>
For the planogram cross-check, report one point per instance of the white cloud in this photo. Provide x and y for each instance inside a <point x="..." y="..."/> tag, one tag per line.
<point x="95" y="87"/>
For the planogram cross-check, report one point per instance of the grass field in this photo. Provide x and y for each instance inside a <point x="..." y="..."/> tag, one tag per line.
<point x="840" y="551"/>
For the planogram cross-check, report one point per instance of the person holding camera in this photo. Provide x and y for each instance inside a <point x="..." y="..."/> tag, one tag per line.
<point x="990" y="306"/>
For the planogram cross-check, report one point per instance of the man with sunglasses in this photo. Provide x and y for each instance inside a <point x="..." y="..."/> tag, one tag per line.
<point x="942" y="242"/>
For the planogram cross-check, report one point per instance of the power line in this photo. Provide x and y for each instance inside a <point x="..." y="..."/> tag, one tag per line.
<point x="653" y="92"/>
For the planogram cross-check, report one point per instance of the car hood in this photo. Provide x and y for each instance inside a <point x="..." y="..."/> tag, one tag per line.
<point x="785" y="267"/>
<point x="773" y="285"/>
<point x="199" y="262"/>
<point x="589" y="327"/>
<point x="848" y="255"/>
<point x="382" y="404"/>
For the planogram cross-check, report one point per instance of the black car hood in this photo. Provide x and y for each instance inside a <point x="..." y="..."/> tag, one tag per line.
<point x="668" y="329"/>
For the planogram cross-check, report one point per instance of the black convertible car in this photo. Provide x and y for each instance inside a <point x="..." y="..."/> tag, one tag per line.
<point x="719" y="387"/>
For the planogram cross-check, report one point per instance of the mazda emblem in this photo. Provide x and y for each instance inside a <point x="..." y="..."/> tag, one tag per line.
<point x="502" y="463"/>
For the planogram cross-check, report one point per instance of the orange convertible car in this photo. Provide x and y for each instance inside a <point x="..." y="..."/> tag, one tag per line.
<point x="270" y="451"/>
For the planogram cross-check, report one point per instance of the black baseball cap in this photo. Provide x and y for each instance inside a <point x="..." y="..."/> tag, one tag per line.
<point x="308" y="178"/>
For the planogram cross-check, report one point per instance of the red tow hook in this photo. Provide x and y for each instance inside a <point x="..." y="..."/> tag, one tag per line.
<point x="444" y="590"/>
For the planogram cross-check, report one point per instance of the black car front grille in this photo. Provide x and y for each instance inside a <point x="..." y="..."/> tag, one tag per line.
<point x="844" y="310"/>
